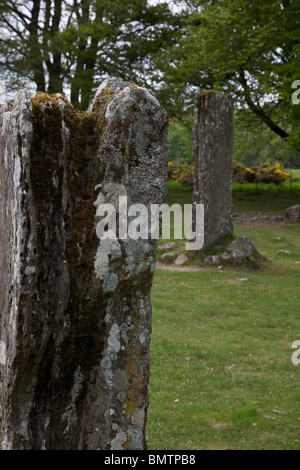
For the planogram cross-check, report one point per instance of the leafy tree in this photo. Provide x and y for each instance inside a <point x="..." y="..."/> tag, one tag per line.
<point x="56" y="45"/>
<point x="247" y="48"/>
<point x="179" y="142"/>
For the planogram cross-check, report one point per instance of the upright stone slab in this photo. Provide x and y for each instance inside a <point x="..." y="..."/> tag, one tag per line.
<point x="76" y="310"/>
<point x="213" y="163"/>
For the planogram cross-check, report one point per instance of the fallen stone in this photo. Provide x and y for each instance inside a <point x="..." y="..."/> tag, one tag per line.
<point x="283" y="252"/>
<point x="168" y="246"/>
<point x="239" y="255"/>
<point x="226" y="256"/>
<point x="242" y="245"/>
<point x="215" y="260"/>
<point x="181" y="259"/>
<point x="220" y="426"/>
<point x="167" y="257"/>
<point x="293" y="213"/>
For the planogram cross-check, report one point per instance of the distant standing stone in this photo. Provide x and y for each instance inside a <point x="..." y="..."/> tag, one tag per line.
<point x="213" y="162"/>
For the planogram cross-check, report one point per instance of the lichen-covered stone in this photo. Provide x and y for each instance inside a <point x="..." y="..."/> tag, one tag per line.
<point x="293" y="213"/>
<point x="76" y="310"/>
<point x="213" y="163"/>
<point x="242" y="245"/>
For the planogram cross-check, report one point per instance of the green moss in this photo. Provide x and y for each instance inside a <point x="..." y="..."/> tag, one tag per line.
<point x="45" y="150"/>
<point x="99" y="108"/>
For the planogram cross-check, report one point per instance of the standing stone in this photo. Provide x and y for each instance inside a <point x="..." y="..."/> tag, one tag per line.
<point x="76" y="310"/>
<point x="213" y="163"/>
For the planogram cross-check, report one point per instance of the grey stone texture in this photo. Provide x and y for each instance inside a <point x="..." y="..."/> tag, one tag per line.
<point x="293" y="213"/>
<point x="75" y="310"/>
<point x="242" y="247"/>
<point x="213" y="163"/>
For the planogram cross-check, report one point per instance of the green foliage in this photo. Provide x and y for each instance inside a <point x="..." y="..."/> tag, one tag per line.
<point x="181" y="172"/>
<point x="254" y="142"/>
<point x="248" y="49"/>
<point x="221" y="348"/>
<point x="264" y="173"/>
<point x="57" y="45"/>
<point x="179" y="142"/>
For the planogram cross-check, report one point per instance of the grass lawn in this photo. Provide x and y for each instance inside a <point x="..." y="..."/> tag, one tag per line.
<point x="221" y="369"/>
<point x="295" y="172"/>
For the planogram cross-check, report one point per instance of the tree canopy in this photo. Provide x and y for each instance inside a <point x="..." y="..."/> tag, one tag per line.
<point x="247" y="48"/>
<point x="74" y="44"/>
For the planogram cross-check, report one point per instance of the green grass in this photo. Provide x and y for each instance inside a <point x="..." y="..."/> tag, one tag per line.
<point x="221" y="349"/>
<point x="263" y="200"/>
<point x="295" y="172"/>
<point x="271" y="203"/>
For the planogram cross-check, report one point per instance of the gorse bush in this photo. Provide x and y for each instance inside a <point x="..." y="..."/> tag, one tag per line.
<point x="242" y="174"/>
<point x="181" y="171"/>
<point x="264" y="173"/>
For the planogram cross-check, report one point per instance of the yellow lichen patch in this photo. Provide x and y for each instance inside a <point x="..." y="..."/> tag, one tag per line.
<point x="132" y="401"/>
<point x="126" y="445"/>
<point x="133" y="87"/>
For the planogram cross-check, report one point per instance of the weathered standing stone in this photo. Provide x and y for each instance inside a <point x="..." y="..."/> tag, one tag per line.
<point x="76" y="310"/>
<point x="213" y="162"/>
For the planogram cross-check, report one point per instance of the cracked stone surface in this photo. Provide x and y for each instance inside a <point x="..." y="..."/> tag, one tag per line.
<point x="76" y="310"/>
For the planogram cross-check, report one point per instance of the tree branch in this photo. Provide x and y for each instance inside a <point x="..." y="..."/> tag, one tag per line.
<point x="258" y="110"/>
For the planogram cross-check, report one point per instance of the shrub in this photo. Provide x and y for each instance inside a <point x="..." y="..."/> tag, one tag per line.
<point x="181" y="171"/>
<point x="242" y="174"/>
<point x="264" y="173"/>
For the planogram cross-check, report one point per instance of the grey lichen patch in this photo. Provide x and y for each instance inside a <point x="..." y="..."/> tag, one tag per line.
<point x="69" y="418"/>
<point x="118" y="442"/>
<point x="136" y="437"/>
<point x="113" y="342"/>
<point x="2" y="353"/>
<point x="108" y="250"/>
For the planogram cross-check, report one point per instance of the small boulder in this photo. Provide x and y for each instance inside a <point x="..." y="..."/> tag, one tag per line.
<point x="242" y="247"/>
<point x="167" y="257"/>
<point x="167" y="246"/>
<point x="181" y="259"/>
<point x="215" y="260"/>
<point x="226" y="256"/>
<point x="283" y="252"/>
<point x="293" y="213"/>
<point x="239" y="255"/>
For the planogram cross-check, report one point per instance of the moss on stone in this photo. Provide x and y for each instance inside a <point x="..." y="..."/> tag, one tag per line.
<point x="100" y="104"/>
